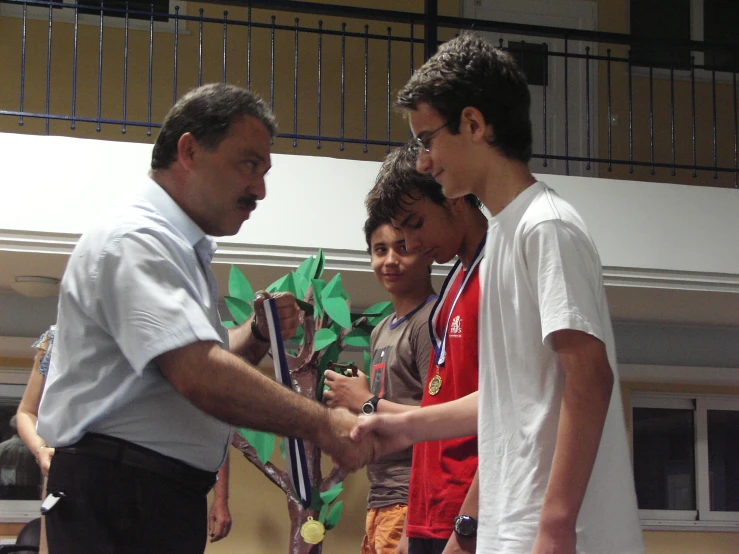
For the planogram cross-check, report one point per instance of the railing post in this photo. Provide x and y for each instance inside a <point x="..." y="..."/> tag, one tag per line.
<point x="430" y="28"/>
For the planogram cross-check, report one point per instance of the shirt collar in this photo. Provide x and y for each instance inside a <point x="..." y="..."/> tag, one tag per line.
<point x="165" y="205"/>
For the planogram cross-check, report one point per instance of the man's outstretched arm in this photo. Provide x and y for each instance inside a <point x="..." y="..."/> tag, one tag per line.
<point x="231" y="390"/>
<point x="396" y="432"/>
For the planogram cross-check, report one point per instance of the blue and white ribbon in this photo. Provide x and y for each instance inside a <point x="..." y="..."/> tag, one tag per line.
<point x="297" y="461"/>
<point x="439" y="342"/>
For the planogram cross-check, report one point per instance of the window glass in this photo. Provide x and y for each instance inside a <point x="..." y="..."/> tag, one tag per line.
<point x="664" y="458"/>
<point x="720" y="23"/>
<point x="723" y="459"/>
<point x="674" y="23"/>
<point x="20" y="476"/>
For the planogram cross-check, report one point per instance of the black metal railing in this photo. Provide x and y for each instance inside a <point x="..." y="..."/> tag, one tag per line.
<point x="330" y="74"/>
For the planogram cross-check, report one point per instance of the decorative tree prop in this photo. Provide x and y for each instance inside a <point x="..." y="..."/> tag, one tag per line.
<point x="328" y="327"/>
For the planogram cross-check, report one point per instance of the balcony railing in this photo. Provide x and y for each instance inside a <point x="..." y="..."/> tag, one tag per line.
<point x="330" y="73"/>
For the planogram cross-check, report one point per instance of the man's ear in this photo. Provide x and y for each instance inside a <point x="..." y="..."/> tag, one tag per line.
<point x="187" y="147"/>
<point x="474" y="122"/>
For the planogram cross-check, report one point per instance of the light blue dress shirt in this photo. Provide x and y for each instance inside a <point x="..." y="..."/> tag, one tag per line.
<point x="136" y="286"/>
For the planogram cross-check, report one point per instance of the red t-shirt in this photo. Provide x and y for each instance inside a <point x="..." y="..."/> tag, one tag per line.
<point x="442" y="471"/>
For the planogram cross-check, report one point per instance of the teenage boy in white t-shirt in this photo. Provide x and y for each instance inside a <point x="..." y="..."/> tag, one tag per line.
<point x="554" y="468"/>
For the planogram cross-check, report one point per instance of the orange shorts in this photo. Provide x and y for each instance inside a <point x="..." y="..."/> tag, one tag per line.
<point x="384" y="529"/>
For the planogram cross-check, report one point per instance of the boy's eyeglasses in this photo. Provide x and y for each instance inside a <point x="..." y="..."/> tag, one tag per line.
<point x="421" y="142"/>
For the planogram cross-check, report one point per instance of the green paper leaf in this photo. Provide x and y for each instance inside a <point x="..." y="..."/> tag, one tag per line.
<point x="331" y="354"/>
<point x="384" y="311"/>
<point x="320" y="389"/>
<point x="323" y="338"/>
<point x="240" y="310"/>
<point x="318" y="265"/>
<point x="331" y="494"/>
<point x="228" y="324"/>
<point x="316" y="502"/>
<point x="301" y="285"/>
<point x="367" y="363"/>
<point x="283" y="284"/>
<point x="322" y="514"/>
<point x="283" y="454"/>
<point x="334" y="515"/>
<point x="318" y="286"/>
<point x="305" y="268"/>
<point x="305" y="306"/>
<point x="263" y="443"/>
<point x="334" y="288"/>
<point x="358" y="337"/>
<point x="337" y="310"/>
<point x="239" y="287"/>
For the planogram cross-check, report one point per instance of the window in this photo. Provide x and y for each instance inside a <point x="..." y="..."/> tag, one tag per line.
<point x="685" y="460"/>
<point x="701" y="20"/>
<point x="91" y="15"/>
<point x="20" y="477"/>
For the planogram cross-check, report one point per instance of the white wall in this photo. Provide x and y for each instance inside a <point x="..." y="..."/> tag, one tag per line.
<point x="60" y="185"/>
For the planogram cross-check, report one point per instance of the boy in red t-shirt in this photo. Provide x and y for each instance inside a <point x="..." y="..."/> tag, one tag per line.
<point x="442" y="504"/>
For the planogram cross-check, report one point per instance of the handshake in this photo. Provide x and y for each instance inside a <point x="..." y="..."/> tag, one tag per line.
<point x="353" y="441"/>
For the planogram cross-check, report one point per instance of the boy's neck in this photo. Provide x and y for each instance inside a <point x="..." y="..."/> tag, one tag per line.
<point x="477" y="226"/>
<point x="404" y="304"/>
<point x="505" y="180"/>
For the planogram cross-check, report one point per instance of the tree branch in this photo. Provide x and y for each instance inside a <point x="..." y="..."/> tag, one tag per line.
<point x="274" y="474"/>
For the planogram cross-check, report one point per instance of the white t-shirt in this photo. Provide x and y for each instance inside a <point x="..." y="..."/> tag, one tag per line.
<point x="541" y="273"/>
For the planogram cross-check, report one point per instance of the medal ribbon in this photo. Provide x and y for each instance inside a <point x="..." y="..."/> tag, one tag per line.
<point x="439" y="343"/>
<point x="297" y="461"/>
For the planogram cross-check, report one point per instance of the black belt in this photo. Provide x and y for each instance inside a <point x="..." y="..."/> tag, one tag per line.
<point x="132" y="455"/>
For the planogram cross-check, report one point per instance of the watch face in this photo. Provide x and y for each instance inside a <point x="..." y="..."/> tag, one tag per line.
<point x="465" y="526"/>
<point x="368" y="408"/>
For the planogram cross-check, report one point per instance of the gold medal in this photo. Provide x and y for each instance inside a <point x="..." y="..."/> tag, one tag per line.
<point x="435" y="385"/>
<point x="312" y="531"/>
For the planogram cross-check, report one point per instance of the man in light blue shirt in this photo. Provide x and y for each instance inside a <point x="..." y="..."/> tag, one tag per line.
<point x="144" y="382"/>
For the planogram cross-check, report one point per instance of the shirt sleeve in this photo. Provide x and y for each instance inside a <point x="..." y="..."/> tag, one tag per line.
<point x="566" y="276"/>
<point x="148" y="300"/>
<point x="421" y="346"/>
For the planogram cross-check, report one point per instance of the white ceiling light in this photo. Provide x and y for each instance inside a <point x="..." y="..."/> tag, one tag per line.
<point x="35" y="286"/>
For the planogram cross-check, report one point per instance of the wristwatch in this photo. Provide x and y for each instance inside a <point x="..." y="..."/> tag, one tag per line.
<point x="370" y="407"/>
<point x="465" y="526"/>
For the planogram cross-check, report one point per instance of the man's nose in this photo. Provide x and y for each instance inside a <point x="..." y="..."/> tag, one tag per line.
<point x="259" y="188"/>
<point x="423" y="162"/>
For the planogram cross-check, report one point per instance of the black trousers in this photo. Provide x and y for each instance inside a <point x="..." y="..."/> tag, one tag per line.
<point x="112" y="508"/>
<point x="426" y="546"/>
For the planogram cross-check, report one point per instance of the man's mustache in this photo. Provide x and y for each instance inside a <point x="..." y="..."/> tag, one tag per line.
<point x="248" y="201"/>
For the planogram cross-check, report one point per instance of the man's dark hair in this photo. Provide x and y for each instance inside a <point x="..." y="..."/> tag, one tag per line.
<point x="399" y="184"/>
<point x="469" y="71"/>
<point x="208" y="112"/>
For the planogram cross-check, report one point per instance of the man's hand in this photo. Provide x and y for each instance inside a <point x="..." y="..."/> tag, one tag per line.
<point x="288" y="313"/>
<point x="555" y="539"/>
<point x="460" y="545"/>
<point x="346" y="392"/>
<point x="387" y="431"/>
<point x="219" y="520"/>
<point x="45" y="454"/>
<point x="348" y="453"/>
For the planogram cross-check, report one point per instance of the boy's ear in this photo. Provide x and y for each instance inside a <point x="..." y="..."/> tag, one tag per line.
<point x="473" y="121"/>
